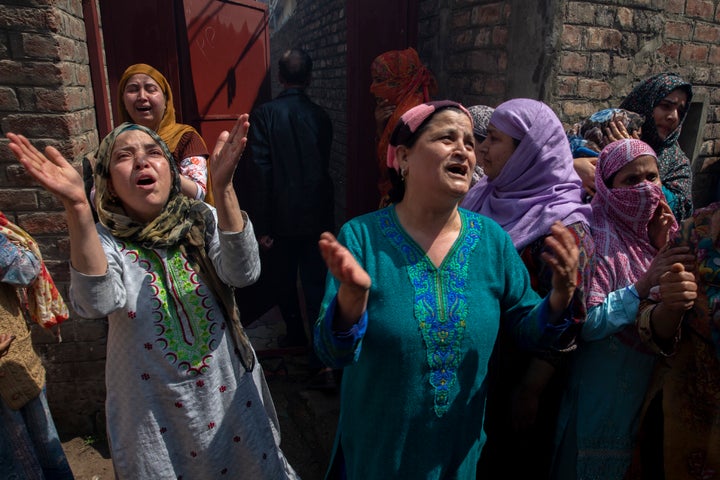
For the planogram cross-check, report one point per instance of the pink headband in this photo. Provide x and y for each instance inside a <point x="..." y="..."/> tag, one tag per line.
<point x="409" y="123"/>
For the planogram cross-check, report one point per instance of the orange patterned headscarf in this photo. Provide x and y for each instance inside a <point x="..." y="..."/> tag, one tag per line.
<point x="170" y="131"/>
<point x="399" y="77"/>
<point x="44" y="303"/>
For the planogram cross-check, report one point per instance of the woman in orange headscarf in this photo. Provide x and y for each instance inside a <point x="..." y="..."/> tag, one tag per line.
<point x="145" y="98"/>
<point x="399" y="82"/>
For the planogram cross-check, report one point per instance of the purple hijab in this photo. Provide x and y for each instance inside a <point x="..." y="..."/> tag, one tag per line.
<point x="538" y="184"/>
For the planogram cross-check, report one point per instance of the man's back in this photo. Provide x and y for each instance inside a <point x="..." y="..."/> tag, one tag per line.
<point x="289" y="148"/>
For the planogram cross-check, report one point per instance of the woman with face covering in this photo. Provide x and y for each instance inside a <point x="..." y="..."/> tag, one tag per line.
<point x="145" y="98"/>
<point x="529" y="184"/>
<point x="631" y="223"/>
<point x="664" y="100"/>
<point x="186" y="396"/>
<point x="413" y="304"/>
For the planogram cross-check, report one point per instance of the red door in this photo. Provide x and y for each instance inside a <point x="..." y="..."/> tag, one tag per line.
<point x="214" y="53"/>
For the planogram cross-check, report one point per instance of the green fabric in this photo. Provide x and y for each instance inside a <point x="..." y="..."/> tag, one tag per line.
<point x="398" y="420"/>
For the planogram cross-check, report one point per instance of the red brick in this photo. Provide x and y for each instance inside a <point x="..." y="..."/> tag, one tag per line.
<point x="29" y="73"/>
<point x="671" y="51"/>
<point x="703" y="9"/>
<point x="625" y="17"/>
<point x="567" y="86"/>
<point x="43" y="223"/>
<point x="571" y="62"/>
<point x="14" y="17"/>
<point x="678" y="30"/>
<point x="487" y="14"/>
<point x="707" y="33"/>
<point x="620" y="65"/>
<point x="572" y="36"/>
<point x="693" y="53"/>
<point x="675" y="6"/>
<point x="714" y="55"/>
<point x="8" y="99"/>
<point x="602" y="39"/>
<point x="482" y="38"/>
<point x="593" y="89"/>
<point x="495" y="86"/>
<point x="460" y="20"/>
<point x="500" y="36"/>
<point x="581" y="13"/>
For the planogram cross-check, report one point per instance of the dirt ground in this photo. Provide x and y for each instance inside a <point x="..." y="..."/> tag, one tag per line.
<point x="308" y="419"/>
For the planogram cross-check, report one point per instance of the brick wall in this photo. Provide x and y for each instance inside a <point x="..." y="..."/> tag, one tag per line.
<point x="45" y="94"/>
<point x="577" y="56"/>
<point x="319" y="28"/>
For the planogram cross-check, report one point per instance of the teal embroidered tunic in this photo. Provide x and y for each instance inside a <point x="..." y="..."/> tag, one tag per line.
<point x="413" y="390"/>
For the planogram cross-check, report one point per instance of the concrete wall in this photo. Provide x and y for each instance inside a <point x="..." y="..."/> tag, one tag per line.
<point x="46" y="94"/>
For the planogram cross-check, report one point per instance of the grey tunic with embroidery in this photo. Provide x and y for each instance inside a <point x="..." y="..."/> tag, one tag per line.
<point x="179" y="403"/>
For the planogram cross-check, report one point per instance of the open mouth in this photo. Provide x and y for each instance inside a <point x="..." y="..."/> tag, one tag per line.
<point x="145" y="181"/>
<point x="143" y="109"/>
<point x="458" y="169"/>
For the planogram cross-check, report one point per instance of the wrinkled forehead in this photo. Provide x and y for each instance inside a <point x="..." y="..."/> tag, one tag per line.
<point x="133" y="137"/>
<point x="141" y="79"/>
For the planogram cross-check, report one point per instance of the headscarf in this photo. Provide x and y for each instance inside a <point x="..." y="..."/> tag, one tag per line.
<point x="538" y="184"/>
<point x="481" y="117"/>
<point x="399" y="77"/>
<point x="409" y="124"/>
<point x="44" y="303"/>
<point x="673" y="164"/>
<point x="183" y="222"/>
<point x="170" y="131"/>
<point x="620" y="218"/>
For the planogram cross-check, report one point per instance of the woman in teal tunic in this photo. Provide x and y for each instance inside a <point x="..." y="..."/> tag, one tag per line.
<point x="416" y="294"/>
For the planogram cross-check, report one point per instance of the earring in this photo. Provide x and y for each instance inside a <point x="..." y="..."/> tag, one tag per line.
<point x="403" y="172"/>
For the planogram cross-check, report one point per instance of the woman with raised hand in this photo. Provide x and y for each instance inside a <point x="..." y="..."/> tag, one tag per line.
<point x="611" y="369"/>
<point x="186" y="396"/>
<point x="413" y="304"/>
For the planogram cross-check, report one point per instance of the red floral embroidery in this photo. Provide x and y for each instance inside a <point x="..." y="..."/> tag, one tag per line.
<point x="163" y="430"/>
<point x="148" y="346"/>
<point x="211" y="425"/>
<point x="145" y="376"/>
<point x="200" y="383"/>
<point x="222" y="388"/>
<point x="236" y="439"/>
<point x="131" y="314"/>
<point x="178" y="404"/>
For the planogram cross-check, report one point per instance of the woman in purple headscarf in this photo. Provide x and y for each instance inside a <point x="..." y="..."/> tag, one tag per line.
<point x="611" y="369"/>
<point x="529" y="184"/>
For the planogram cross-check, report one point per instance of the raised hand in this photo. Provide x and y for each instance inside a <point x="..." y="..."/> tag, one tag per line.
<point x="660" y="225"/>
<point x="661" y="264"/>
<point x="51" y="170"/>
<point x="678" y="288"/>
<point x="226" y="154"/>
<point x="564" y="261"/>
<point x="354" y="281"/>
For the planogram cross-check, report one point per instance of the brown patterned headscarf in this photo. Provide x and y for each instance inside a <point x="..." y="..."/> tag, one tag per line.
<point x="183" y="222"/>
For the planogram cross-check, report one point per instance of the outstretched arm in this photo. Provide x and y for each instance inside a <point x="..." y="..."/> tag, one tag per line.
<point x="58" y="177"/>
<point x="224" y="161"/>
<point x="354" y="281"/>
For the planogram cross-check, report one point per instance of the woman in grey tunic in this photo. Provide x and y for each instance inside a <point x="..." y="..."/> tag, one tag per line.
<point x="186" y="397"/>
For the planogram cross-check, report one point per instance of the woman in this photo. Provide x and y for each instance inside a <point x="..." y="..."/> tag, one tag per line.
<point x="145" y="98"/>
<point x="679" y="436"/>
<point x="413" y="306"/>
<point x="29" y="444"/>
<point x="529" y="184"/>
<point x="631" y="223"/>
<point x="481" y="117"/>
<point x="664" y="100"/>
<point x="400" y="81"/>
<point x="184" y="399"/>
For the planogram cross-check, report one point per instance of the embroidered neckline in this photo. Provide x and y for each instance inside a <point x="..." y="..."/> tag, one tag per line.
<point x="440" y="304"/>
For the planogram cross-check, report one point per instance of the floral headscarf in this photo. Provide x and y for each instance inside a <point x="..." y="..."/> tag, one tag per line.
<point x="44" y="303"/>
<point x="673" y="164"/>
<point x="620" y="218"/>
<point x="399" y="77"/>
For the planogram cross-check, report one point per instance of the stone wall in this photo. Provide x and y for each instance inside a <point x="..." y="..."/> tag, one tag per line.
<point x="46" y="94"/>
<point x="319" y="28"/>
